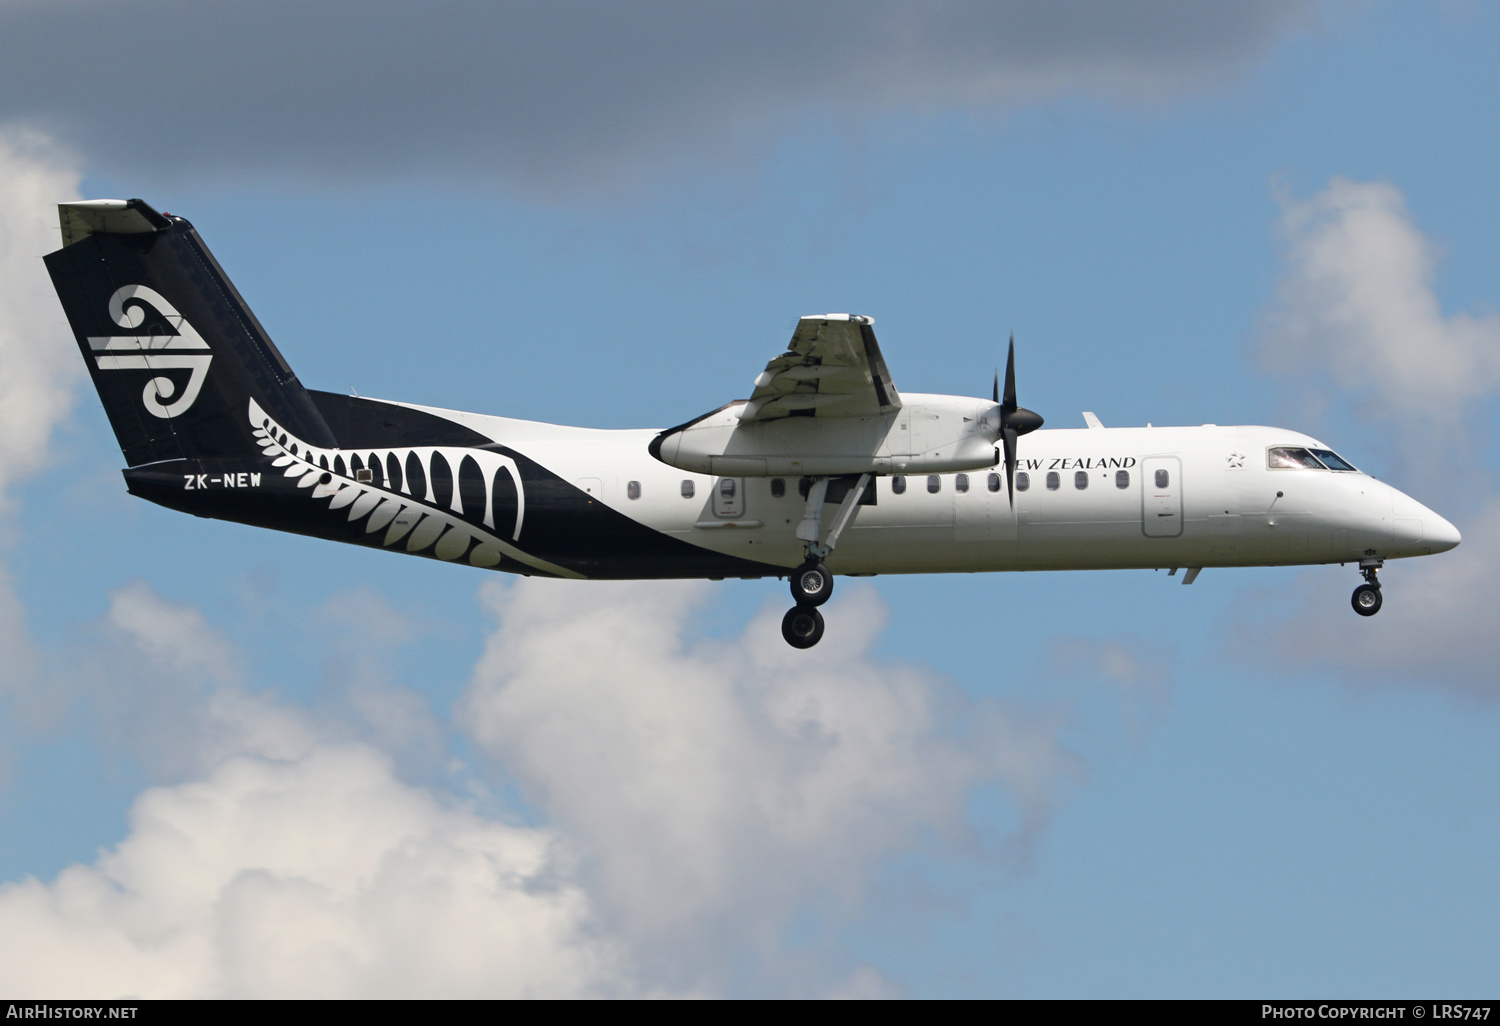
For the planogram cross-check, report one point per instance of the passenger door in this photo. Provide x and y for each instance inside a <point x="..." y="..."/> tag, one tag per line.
<point x="1161" y="496"/>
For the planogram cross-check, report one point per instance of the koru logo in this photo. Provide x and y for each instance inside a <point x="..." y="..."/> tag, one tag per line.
<point x="185" y="350"/>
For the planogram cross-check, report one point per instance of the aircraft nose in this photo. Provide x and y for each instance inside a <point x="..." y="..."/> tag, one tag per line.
<point x="1418" y="529"/>
<point x="1440" y="534"/>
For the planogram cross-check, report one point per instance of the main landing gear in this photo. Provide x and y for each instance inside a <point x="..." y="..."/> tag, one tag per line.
<point x="1366" y="599"/>
<point x="812" y="584"/>
<point x="802" y="626"/>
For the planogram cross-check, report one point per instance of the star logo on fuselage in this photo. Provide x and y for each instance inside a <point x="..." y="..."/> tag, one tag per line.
<point x="1236" y="460"/>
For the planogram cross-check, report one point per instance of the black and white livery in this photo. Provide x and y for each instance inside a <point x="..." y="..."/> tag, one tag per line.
<point x="825" y="469"/>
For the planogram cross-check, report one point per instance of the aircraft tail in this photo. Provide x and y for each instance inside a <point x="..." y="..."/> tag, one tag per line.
<point x="176" y="355"/>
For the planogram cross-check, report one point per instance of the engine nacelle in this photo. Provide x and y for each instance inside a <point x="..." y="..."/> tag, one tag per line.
<point x="930" y="434"/>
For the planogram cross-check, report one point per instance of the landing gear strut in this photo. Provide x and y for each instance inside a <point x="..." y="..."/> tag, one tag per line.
<point x="812" y="584"/>
<point x="1366" y="599"/>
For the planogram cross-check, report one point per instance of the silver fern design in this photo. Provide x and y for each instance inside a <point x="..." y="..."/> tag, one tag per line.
<point x="458" y="526"/>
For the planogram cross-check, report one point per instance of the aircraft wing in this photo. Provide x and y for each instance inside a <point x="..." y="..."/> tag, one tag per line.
<point x="832" y="368"/>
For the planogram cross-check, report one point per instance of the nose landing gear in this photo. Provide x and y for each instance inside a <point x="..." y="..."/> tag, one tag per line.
<point x="1366" y="599"/>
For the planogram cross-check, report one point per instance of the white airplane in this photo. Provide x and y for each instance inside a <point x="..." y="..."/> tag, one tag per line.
<point x="825" y="469"/>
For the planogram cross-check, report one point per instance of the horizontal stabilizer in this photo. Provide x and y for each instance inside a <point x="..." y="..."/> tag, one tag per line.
<point x="107" y="217"/>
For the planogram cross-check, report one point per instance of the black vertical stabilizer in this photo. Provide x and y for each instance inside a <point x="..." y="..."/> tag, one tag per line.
<point x="173" y="350"/>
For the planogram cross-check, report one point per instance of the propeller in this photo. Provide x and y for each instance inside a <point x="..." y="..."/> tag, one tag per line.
<point x="1015" y="421"/>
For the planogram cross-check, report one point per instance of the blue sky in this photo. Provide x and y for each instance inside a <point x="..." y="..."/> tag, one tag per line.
<point x="1082" y="784"/>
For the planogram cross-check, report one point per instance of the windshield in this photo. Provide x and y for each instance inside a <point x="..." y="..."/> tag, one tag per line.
<point x="1332" y="460"/>
<point x="1288" y="458"/>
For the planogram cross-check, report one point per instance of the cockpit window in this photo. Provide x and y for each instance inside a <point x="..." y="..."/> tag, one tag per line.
<point x="1332" y="460"/>
<point x="1288" y="458"/>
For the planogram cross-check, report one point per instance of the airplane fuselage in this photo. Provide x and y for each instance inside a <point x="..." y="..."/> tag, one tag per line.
<point x="579" y="502"/>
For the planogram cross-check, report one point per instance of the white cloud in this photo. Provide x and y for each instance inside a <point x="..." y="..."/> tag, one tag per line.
<point x="1357" y="297"/>
<point x="39" y="363"/>
<point x="291" y="863"/>
<point x="717" y="789"/>
<point x="37" y="351"/>
<point x="697" y="799"/>
<point x="163" y="684"/>
<point x="1356" y="314"/>
<point x="321" y="876"/>
<point x="1355" y="308"/>
<point x="176" y="637"/>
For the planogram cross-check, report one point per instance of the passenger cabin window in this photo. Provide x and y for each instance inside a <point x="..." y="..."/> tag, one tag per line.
<point x="934" y="483"/>
<point x="994" y="482"/>
<point x="1290" y="458"/>
<point x="633" y="490"/>
<point x="1163" y="479"/>
<point x="778" y="487"/>
<point x="687" y="489"/>
<point x="726" y="487"/>
<point x="1122" y="479"/>
<point x="961" y="483"/>
<point x="1081" y="479"/>
<point x="1053" y="481"/>
<point x="898" y="484"/>
<point x="1023" y="481"/>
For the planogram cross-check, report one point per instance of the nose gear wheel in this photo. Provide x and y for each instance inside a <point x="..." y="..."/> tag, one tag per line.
<point x="1366" y="599"/>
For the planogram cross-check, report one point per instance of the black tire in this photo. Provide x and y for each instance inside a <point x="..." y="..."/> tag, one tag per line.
<point x="1366" y="600"/>
<point x="802" y="626"/>
<point x="812" y="584"/>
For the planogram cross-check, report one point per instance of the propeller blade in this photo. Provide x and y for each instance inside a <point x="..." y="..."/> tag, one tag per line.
<point x="1014" y="421"/>
<point x="1009" y="402"/>
<point x="1010" y="465"/>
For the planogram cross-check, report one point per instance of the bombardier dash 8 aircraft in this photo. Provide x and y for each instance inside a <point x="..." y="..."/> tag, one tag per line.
<point x="826" y="468"/>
